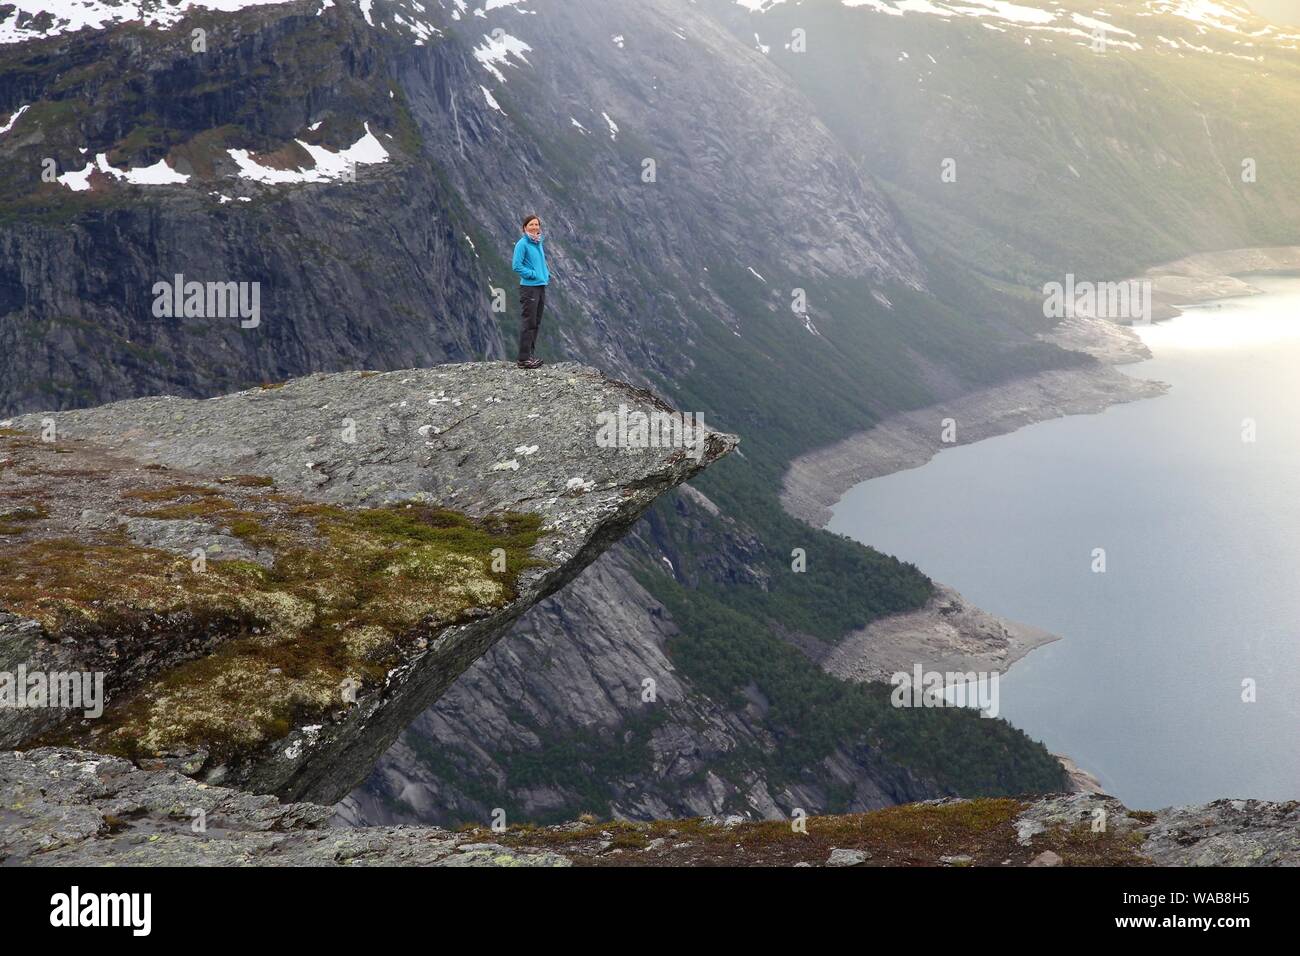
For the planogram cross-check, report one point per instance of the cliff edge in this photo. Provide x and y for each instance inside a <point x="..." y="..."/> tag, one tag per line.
<point x="261" y="590"/>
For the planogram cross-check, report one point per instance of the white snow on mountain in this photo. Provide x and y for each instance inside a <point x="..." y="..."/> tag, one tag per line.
<point x="1218" y="27"/>
<point x="1234" y="24"/>
<point x="329" y="165"/>
<point x="30" y="19"/>
<point x="1217" y="15"/>
<point x="497" y="49"/>
<point x="22" y="20"/>
<point x="491" y="100"/>
<point x="159" y="174"/>
<point x="13" y="119"/>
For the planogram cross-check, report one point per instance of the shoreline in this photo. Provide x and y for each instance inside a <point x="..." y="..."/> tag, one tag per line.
<point x="816" y="480"/>
<point x="949" y="633"/>
<point x="1206" y="276"/>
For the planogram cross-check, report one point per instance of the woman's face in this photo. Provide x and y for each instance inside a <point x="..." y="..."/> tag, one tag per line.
<point x="534" y="228"/>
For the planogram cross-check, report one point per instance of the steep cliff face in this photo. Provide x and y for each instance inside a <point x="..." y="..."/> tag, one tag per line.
<point x="558" y="721"/>
<point x="637" y="209"/>
<point x="370" y="273"/>
<point x="271" y="585"/>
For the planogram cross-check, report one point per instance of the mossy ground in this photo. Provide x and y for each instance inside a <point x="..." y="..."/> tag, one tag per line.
<point x="915" y="834"/>
<point x="250" y="648"/>
<point x="15" y="520"/>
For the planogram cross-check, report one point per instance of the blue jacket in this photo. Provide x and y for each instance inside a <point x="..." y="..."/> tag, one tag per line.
<point x="530" y="261"/>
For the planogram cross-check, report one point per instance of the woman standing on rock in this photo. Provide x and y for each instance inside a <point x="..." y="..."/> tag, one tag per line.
<point x="530" y="263"/>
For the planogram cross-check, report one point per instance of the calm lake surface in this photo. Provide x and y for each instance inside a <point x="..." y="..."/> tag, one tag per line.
<point x="1201" y="532"/>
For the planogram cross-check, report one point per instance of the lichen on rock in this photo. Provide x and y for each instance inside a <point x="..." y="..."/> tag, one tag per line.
<point x="276" y="582"/>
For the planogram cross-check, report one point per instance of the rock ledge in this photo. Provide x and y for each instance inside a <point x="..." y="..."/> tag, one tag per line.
<point x="274" y="583"/>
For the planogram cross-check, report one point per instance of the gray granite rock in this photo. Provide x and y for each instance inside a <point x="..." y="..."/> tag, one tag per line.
<point x="64" y="807"/>
<point x="481" y="438"/>
<point x="1226" y="833"/>
<point x="842" y="857"/>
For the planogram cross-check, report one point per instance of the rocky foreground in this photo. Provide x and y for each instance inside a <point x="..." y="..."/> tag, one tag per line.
<point x="275" y="583"/>
<point x="65" y="807"/>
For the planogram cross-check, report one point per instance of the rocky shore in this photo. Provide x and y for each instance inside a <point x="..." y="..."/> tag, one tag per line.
<point x="815" y="481"/>
<point x="1214" y="275"/>
<point x="948" y="633"/>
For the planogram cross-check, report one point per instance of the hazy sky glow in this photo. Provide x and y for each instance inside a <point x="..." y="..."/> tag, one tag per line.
<point x="1279" y="11"/>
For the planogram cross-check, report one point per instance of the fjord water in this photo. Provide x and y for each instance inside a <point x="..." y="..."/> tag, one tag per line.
<point x="1201" y="531"/>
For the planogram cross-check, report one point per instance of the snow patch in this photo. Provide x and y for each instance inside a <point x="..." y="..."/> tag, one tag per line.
<point x="497" y="50"/>
<point x="69" y="16"/>
<point x="13" y="119"/>
<point x="328" y="166"/>
<point x="491" y="100"/>
<point x="159" y="174"/>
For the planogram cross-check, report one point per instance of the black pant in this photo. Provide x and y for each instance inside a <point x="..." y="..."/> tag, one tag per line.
<point x="532" y="300"/>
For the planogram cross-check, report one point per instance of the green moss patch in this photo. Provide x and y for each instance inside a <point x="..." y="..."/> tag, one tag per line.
<point x="967" y="833"/>
<point x="348" y="595"/>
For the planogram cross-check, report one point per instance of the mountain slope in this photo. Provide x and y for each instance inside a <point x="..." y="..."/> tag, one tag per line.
<point x="1097" y="139"/>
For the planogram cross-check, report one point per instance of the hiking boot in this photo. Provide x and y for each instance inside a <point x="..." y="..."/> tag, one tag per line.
<point x="530" y="363"/>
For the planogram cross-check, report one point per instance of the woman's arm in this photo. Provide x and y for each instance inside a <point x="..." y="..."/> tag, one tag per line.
<point x="520" y="263"/>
